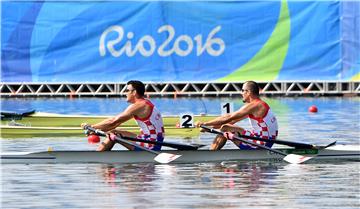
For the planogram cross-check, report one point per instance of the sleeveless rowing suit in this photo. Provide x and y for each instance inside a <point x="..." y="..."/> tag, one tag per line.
<point x="265" y="127"/>
<point x="151" y="128"/>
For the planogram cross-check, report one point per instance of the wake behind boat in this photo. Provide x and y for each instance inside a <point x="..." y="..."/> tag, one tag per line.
<point x="333" y="153"/>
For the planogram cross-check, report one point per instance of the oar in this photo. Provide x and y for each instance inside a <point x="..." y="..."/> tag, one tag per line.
<point x="174" y="145"/>
<point x="167" y="144"/>
<point x="291" y="158"/>
<point x="160" y="157"/>
<point x="289" y="143"/>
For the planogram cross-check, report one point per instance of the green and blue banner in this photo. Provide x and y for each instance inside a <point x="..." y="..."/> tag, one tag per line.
<point x="115" y="41"/>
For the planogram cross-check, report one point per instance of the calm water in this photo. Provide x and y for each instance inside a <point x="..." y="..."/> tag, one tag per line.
<point x="210" y="185"/>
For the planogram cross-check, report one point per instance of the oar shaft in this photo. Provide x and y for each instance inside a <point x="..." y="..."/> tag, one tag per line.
<point x="276" y="141"/>
<point x="166" y="144"/>
<point x="212" y="130"/>
<point x="101" y="133"/>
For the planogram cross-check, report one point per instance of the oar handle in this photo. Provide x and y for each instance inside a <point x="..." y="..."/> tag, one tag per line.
<point x="212" y="130"/>
<point x="96" y="131"/>
<point x="119" y="139"/>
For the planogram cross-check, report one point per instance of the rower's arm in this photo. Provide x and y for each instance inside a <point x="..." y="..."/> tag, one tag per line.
<point x="217" y="122"/>
<point x="113" y="122"/>
<point x="231" y="118"/>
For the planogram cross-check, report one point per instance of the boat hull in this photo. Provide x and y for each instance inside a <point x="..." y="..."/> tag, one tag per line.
<point x="338" y="152"/>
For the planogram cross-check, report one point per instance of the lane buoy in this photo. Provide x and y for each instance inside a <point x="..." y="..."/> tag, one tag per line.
<point x="93" y="139"/>
<point x="313" y="109"/>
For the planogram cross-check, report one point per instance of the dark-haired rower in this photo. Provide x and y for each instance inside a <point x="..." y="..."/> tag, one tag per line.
<point x="143" y="111"/>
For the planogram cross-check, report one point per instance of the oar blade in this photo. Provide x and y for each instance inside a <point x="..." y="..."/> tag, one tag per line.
<point x="165" y="158"/>
<point x="296" y="159"/>
<point x="329" y="145"/>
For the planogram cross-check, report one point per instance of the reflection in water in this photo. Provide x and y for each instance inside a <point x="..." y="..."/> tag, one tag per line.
<point x="332" y="185"/>
<point x="209" y="185"/>
<point x="235" y="175"/>
<point x="253" y="175"/>
<point x="132" y="177"/>
<point x="241" y="176"/>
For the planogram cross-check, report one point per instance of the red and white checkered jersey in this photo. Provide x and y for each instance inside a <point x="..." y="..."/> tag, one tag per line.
<point x="265" y="126"/>
<point x="151" y="126"/>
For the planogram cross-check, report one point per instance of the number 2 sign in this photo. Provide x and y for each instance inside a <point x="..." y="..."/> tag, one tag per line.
<point x="186" y="121"/>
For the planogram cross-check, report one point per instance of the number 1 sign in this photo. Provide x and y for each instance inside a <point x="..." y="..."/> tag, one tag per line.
<point x="227" y="107"/>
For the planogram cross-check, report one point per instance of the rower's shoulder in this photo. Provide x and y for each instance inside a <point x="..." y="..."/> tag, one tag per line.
<point x="143" y="104"/>
<point x="136" y="106"/>
<point x="261" y="103"/>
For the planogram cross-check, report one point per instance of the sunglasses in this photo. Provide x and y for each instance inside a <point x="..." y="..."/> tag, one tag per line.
<point x="129" y="90"/>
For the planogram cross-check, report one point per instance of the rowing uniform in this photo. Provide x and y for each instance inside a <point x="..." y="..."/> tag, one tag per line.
<point x="151" y="128"/>
<point x="265" y="127"/>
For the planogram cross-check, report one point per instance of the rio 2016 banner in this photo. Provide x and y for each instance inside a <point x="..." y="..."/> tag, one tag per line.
<point x="116" y="41"/>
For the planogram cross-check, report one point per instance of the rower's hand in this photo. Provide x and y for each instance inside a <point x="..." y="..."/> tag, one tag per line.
<point x="229" y="135"/>
<point x="83" y="125"/>
<point x="87" y="132"/>
<point x="198" y="124"/>
<point x="112" y="136"/>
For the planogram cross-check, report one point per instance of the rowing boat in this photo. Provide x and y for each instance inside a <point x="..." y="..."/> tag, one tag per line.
<point x="337" y="152"/>
<point x="41" y="124"/>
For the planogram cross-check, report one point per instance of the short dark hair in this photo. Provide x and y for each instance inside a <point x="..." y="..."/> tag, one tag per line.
<point x="138" y="86"/>
<point x="253" y="87"/>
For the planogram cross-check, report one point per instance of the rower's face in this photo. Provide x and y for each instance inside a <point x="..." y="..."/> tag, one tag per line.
<point x="130" y="93"/>
<point x="245" y="92"/>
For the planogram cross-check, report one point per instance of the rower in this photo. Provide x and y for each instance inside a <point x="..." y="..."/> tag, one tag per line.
<point x="143" y="111"/>
<point x="262" y="120"/>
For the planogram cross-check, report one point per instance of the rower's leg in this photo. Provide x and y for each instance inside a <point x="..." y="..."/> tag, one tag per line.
<point x="126" y="134"/>
<point x="220" y="141"/>
<point x="108" y="144"/>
